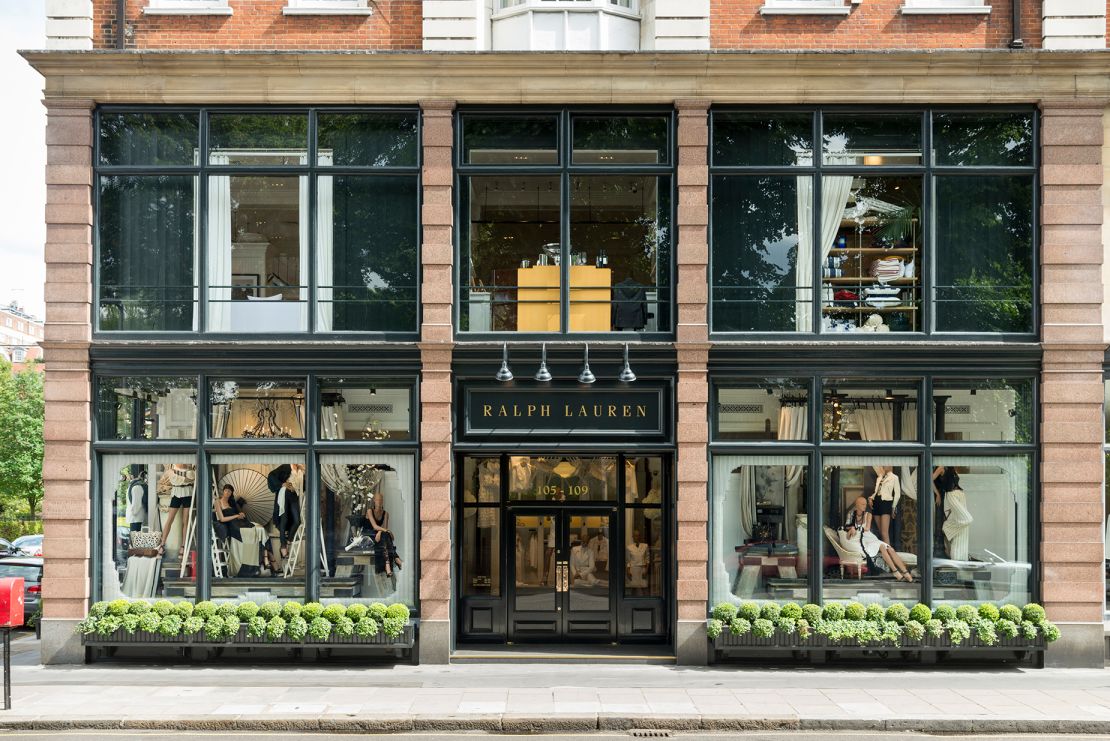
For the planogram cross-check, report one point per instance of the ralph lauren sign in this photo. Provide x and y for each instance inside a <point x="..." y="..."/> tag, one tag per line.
<point x="568" y="411"/>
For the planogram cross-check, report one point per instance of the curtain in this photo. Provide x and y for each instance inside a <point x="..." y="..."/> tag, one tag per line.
<point x="835" y="191"/>
<point x="325" y="279"/>
<point x="793" y="425"/>
<point x="219" y="248"/>
<point x="875" y="424"/>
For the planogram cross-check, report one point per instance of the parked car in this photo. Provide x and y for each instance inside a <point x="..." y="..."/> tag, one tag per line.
<point x="8" y="549"/>
<point x="30" y="545"/>
<point x="30" y="568"/>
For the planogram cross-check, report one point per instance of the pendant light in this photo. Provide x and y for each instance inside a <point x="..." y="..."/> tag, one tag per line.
<point x="627" y="376"/>
<point x="504" y="374"/>
<point x="586" y="376"/>
<point x="543" y="375"/>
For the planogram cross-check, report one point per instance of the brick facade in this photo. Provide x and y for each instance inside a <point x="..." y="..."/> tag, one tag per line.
<point x="871" y="26"/>
<point x="260" y="24"/>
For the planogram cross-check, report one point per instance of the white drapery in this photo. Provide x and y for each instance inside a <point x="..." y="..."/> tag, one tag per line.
<point x="835" y="191"/>
<point x="219" y="247"/>
<point x="325" y="260"/>
<point x="793" y="425"/>
<point x="878" y="424"/>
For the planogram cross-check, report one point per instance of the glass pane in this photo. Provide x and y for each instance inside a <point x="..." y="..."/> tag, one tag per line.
<point x="355" y="409"/>
<point x="258" y="527"/>
<point x="982" y="524"/>
<point x="510" y="270"/>
<point x="366" y="253"/>
<point x="762" y="254"/>
<point x="643" y="481"/>
<point x="871" y="254"/>
<point x="536" y="580"/>
<point x="257" y="409"/>
<point x="481" y="480"/>
<point x="146" y="408"/>
<point x="148" y="138"/>
<point x="481" y="551"/>
<point x="367" y="139"/>
<point x="589" y="562"/>
<point x="564" y="479"/>
<point x="984" y="261"/>
<point x="872" y="139"/>
<point x="620" y="253"/>
<point x="779" y="139"/>
<point x="147" y="280"/>
<point x="147" y="505"/>
<point x="998" y="139"/>
<point x="257" y="139"/>
<point x="775" y="409"/>
<point x="643" y="552"/>
<point x="257" y="254"/>
<point x="870" y="409"/>
<point x="983" y="410"/>
<point x="871" y="534"/>
<point x="620" y="140"/>
<point x="368" y="523"/>
<point x="760" y="525"/>
<point x="510" y="140"/>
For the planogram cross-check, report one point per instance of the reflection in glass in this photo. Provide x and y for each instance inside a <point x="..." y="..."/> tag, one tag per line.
<point x="366" y="260"/>
<point x="776" y="409"/>
<point x="368" y="527"/>
<point x="257" y="253"/>
<point x="146" y="408"/>
<point x="617" y="140"/>
<point x="984" y="263"/>
<point x="534" y="566"/>
<point x="871" y="532"/>
<point x="978" y="139"/>
<point x="511" y="274"/>
<point x="872" y="139"/>
<point x="481" y="480"/>
<point x="379" y="139"/>
<point x="147" y="243"/>
<point x="257" y="138"/>
<point x="643" y="481"/>
<point x="143" y="538"/>
<point x="588" y="562"/>
<point x="781" y="139"/>
<point x="760" y="529"/>
<point x="258" y="527"/>
<point x="869" y="409"/>
<point x="353" y="409"/>
<point x="562" y="479"/>
<point x="871" y="254"/>
<point x="256" y="409"/>
<point x="981" y="533"/>
<point x="643" y="552"/>
<point x="619" y="238"/>
<point x="148" y="138"/>
<point x="983" y="410"/>
<point x="481" y="527"/>
<point x="510" y="140"/>
<point x="762" y="254"/>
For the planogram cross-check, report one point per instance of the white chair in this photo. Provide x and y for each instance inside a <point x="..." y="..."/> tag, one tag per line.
<point x="851" y="558"/>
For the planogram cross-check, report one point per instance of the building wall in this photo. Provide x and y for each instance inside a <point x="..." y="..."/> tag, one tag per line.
<point x="873" y="24"/>
<point x="260" y="24"/>
<point x="19" y="330"/>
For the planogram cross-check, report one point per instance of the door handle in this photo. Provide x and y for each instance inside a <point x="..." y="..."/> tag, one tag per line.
<point x="562" y="578"/>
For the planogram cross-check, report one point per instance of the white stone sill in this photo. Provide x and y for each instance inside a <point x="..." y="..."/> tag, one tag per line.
<point x="187" y="11"/>
<point x="327" y="11"/>
<point x="805" y="10"/>
<point x="946" y="10"/>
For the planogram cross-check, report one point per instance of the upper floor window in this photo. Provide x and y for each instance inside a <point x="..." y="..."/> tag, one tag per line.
<point x="847" y="222"/>
<point x="566" y="25"/>
<point x="565" y="222"/>
<point x="296" y="233"/>
<point x="187" y="7"/>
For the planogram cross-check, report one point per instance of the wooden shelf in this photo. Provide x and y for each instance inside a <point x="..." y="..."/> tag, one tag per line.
<point x="867" y="309"/>
<point x="869" y="281"/>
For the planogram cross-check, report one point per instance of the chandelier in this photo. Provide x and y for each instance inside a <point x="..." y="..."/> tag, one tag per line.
<point x="267" y="426"/>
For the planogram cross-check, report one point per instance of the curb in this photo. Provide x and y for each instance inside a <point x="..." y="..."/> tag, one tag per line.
<point x="573" y="723"/>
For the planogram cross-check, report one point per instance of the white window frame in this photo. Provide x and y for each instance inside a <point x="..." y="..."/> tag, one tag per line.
<point x="19" y="355"/>
<point x="327" y="7"/>
<point x="942" y="7"/>
<point x="621" y="7"/>
<point x="187" y="7"/>
<point x="806" y="7"/>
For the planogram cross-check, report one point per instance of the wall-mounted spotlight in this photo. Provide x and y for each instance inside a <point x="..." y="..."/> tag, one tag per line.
<point x="627" y="376"/>
<point x="504" y="374"/>
<point x="543" y="375"/>
<point x="586" y="376"/>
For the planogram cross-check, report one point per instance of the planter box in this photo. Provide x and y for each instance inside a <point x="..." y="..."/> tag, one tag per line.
<point x="140" y="638"/>
<point x="737" y="646"/>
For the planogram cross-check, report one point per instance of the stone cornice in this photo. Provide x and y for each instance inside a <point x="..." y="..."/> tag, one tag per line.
<point x="580" y="77"/>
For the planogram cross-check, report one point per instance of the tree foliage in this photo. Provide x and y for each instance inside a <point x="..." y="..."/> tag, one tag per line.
<point x="21" y="443"/>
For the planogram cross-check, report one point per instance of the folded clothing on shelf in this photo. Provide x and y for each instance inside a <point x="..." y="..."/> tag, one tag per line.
<point x="887" y="269"/>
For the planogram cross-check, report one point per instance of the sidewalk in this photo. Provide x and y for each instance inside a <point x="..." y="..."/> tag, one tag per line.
<point x="552" y="697"/>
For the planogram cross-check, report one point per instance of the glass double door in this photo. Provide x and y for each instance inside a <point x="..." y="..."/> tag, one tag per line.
<point x="562" y="570"/>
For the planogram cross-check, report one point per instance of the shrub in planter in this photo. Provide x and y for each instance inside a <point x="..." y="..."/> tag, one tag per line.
<point x="393" y="626"/>
<point x="787" y="625"/>
<point x="398" y="610"/>
<point x="275" y="627"/>
<point x="98" y="610"/>
<point x="713" y="628"/>
<point x="967" y="613"/>
<point x="183" y="610"/>
<point x="170" y="626"/>
<point x="204" y="610"/>
<point x="749" y="611"/>
<point x="356" y="612"/>
<point x="297" y="628"/>
<point x="247" y="611"/>
<point x="986" y="634"/>
<point x="897" y="613"/>
<point x="214" y="628"/>
<point x="1007" y="628"/>
<point x="934" y="628"/>
<point x="108" y="625"/>
<point x="334" y="611"/>
<point x="1051" y="632"/>
<point x="149" y="621"/>
<point x="944" y="613"/>
<point x="804" y="629"/>
<point x="958" y="632"/>
<point x="377" y="611"/>
<point x="226" y="608"/>
<point x="987" y="611"/>
<point x="890" y="632"/>
<point x="920" y="613"/>
<point x="811" y="613"/>
<point x="763" y="628"/>
<point x="834" y="611"/>
<point x="87" y="626"/>
<point x="320" y="629"/>
<point x="162" y="607"/>
<point x="914" y="631"/>
<point x="1028" y="630"/>
<point x="129" y="623"/>
<point x="1033" y="613"/>
<point x="291" y="610"/>
<point x="1011" y="613"/>
<point x="118" y="607"/>
<point x="724" y="611"/>
<point x="875" y="612"/>
<point x="739" y="626"/>
<point x="256" y="627"/>
<point x="770" y="611"/>
<point x="231" y="626"/>
<point x="791" y="610"/>
<point x="311" y="611"/>
<point x="854" y="611"/>
<point x="192" y="625"/>
<point x="139" y="608"/>
<point x="344" y="626"/>
<point x="270" y="610"/>
<point x="367" y="627"/>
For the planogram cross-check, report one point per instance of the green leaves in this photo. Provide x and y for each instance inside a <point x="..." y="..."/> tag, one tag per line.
<point x="22" y="411"/>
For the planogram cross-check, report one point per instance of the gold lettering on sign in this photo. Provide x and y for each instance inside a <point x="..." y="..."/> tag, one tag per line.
<point x="582" y="411"/>
<point x="503" y="412"/>
<point x="531" y="410"/>
<point x="487" y="410"/>
<point x="545" y="410"/>
<point x="641" y="410"/>
<point x="516" y="410"/>
<point x="612" y="410"/>
<point x="627" y="410"/>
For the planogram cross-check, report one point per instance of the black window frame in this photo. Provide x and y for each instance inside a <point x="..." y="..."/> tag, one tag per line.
<point x="928" y="172"/>
<point x="203" y="169"/>
<point x="565" y="170"/>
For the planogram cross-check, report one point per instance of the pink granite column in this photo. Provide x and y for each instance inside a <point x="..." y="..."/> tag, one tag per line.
<point x="68" y="331"/>
<point x="1071" y="385"/>
<point x="692" y="349"/>
<point x="436" y="343"/>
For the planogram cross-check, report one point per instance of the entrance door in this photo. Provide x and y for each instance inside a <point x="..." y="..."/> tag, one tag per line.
<point x="561" y="586"/>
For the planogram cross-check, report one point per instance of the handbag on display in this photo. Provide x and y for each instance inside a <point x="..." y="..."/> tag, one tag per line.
<point x="146" y="539"/>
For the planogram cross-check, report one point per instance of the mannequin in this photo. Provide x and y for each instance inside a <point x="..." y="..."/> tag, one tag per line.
<point x="287" y="502"/>
<point x="137" y="506"/>
<point x="884" y="500"/>
<point x="182" y="479"/>
<point x="637" y="560"/>
<point x="582" y="565"/>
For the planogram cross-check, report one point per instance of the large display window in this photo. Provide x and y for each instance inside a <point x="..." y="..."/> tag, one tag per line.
<point x="904" y="222"/>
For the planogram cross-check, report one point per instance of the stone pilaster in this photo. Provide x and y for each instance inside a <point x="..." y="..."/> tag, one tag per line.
<point x="436" y="341"/>
<point x="692" y="350"/>
<point x="1071" y="385"/>
<point x="68" y="331"/>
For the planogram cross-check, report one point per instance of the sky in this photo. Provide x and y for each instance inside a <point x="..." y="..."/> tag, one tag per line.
<point x="23" y="192"/>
